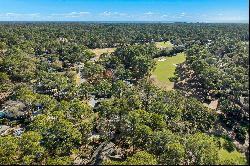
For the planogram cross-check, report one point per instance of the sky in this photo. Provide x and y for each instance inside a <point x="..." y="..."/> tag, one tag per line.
<point x="236" y="11"/>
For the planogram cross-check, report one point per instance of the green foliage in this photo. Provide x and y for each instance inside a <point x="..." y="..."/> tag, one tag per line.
<point x="41" y="123"/>
<point x="229" y="146"/>
<point x="173" y="155"/>
<point x="103" y="88"/>
<point x="26" y="95"/>
<point x="86" y="89"/>
<point x="160" y="141"/>
<point x="39" y="63"/>
<point x="31" y="150"/>
<point x="141" y="125"/>
<point x="19" y="65"/>
<point x="137" y="59"/>
<point x="75" y="54"/>
<point x="61" y="138"/>
<point x="231" y="158"/>
<point x="188" y="113"/>
<point x="92" y="70"/>
<point x="201" y="117"/>
<point x="240" y="133"/>
<point x="141" y="158"/>
<point x="201" y="149"/>
<point x="3" y="46"/>
<point x="218" y="70"/>
<point x="8" y="150"/>
<point x="59" y="161"/>
<point x="5" y="82"/>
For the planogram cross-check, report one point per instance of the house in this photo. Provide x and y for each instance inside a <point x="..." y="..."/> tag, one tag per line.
<point x="4" y="95"/>
<point x="108" y="73"/>
<point x="62" y="39"/>
<point x="4" y="129"/>
<point x="39" y="107"/>
<point x="13" y="109"/>
<point x="34" y="114"/>
<point x="18" y="132"/>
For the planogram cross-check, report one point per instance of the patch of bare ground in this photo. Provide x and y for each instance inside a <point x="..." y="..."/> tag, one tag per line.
<point x="99" y="51"/>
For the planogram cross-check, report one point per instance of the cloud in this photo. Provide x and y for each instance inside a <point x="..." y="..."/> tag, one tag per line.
<point x="116" y="14"/>
<point x="149" y="13"/>
<point x="164" y="16"/>
<point x="106" y="13"/>
<point x="220" y="14"/>
<point x="71" y="15"/>
<point x="182" y="14"/>
<point x="18" y="15"/>
<point x="120" y="14"/>
<point x="75" y="14"/>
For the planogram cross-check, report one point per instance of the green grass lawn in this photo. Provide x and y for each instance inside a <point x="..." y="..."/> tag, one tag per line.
<point x="225" y="156"/>
<point x="167" y="44"/>
<point x="235" y="156"/>
<point x="165" y="70"/>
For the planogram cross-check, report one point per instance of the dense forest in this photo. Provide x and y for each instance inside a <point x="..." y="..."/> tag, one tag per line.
<point x="60" y="103"/>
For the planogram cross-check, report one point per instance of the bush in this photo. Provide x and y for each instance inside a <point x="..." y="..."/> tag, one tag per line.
<point x="229" y="146"/>
<point x="173" y="79"/>
<point x="240" y="134"/>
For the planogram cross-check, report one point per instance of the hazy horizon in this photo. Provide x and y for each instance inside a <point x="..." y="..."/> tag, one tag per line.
<point x="162" y="22"/>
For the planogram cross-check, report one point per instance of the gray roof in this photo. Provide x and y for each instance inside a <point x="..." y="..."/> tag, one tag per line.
<point x="3" y="128"/>
<point x="13" y="108"/>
